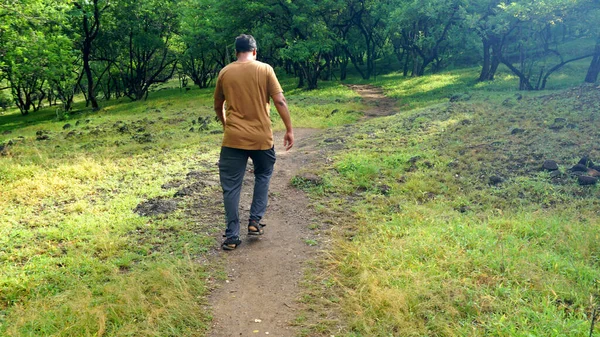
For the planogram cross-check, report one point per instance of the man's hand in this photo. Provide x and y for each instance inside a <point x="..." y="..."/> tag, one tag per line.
<point x="288" y="140"/>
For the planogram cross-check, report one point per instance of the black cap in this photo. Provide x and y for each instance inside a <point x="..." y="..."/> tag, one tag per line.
<point x="245" y="43"/>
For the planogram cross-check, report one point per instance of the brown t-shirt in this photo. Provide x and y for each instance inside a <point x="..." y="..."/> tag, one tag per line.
<point x="247" y="88"/>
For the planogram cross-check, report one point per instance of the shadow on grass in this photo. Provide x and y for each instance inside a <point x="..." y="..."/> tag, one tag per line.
<point x="14" y="120"/>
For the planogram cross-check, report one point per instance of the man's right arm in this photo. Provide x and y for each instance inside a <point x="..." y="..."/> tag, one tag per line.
<point x="284" y="113"/>
<point x="219" y="102"/>
<point x="220" y="109"/>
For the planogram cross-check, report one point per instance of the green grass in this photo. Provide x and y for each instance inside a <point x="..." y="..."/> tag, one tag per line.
<point x="419" y="92"/>
<point x="424" y="245"/>
<point x="75" y="259"/>
<point x="332" y="105"/>
<point x="440" y="251"/>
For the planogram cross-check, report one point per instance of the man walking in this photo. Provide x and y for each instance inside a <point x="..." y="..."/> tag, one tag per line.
<point x="247" y="86"/>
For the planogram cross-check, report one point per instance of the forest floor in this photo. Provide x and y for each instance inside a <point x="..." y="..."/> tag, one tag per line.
<point x="260" y="294"/>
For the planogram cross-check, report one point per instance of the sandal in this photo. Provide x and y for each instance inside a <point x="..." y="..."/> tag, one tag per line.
<point x="231" y="243"/>
<point x="255" y="228"/>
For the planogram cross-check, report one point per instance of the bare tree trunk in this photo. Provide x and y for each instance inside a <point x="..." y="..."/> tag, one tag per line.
<point x="90" y="31"/>
<point x="406" y="64"/>
<point x="496" y="55"/>
<point x="487" y="63"/>
<point x="524" y="83"/>
<point x="594" y="69"/>
<point x="343" y="67"/>
<point x="557" y="67"/>
<point x="88" y="73"/>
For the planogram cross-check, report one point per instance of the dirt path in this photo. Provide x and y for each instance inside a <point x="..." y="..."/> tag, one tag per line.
<point x="263" y="273"/>
<point x="373" y="97"/>
<point x="259" y="296"/>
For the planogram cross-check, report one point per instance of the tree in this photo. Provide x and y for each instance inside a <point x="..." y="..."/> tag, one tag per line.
<point x="592" y="12"/>
<point x="361" y="33"/>
<point x="538" y="49"/>
<point x="309" y="39"/>
<point x="494" y="26"/>
<point x="25" y="73"/>
<point x="65" y="70"/>
<point x="90" y="13"/>
<point x="144" y="35"/>
<point x="420" y="31"/>
<point x="33" y="34"/>
<point x="200" y="42"/>
<point x="368" y="18"/>
<point x="127" y="46"/>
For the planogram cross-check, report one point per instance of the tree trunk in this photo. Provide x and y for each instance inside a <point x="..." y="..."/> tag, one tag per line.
<point x="406" y="64"/>
<point x="557" y="67"/>
<point x="496" y="55"/>
<point x="84" y="94"/>
<point x="299" y="74"/>
<point x="417" y="70"/>
<point x="90" y="31"/>
<point x="300" y="81"/>
<point x="355" y="62"/>
<point x="312" y="72"/>
<point x="343" y="68"/>
<point x="594" y="69"/>
<point x="524" y="83"/>
<point x="370" y="58"/>
<point x="487" y="61"/>
<point x="22" y="101"/>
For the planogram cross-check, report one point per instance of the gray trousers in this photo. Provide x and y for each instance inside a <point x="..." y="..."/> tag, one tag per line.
<point x="232" y="166"/>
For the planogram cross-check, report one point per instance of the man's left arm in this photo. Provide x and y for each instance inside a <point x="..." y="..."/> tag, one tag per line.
<point x="276" y="93"/>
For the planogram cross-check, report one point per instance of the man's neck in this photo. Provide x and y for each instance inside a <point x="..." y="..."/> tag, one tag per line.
<point x="245" y="57"/>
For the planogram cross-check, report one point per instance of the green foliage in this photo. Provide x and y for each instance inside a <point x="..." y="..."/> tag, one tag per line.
<point x="426" y="32"/>
<point x="144" y="35"/>
<point x="5" y="100"/>
<point x="54" y="48"/>
<point x="36" y="51"/>
<point x="309" y="38"/>
<point x="533" y="40"/>
<point x="199" y="34"/>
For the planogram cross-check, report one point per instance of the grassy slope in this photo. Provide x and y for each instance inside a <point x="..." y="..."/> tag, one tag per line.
<point x="75" y="259"/>
<point x="436" y="250"/>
